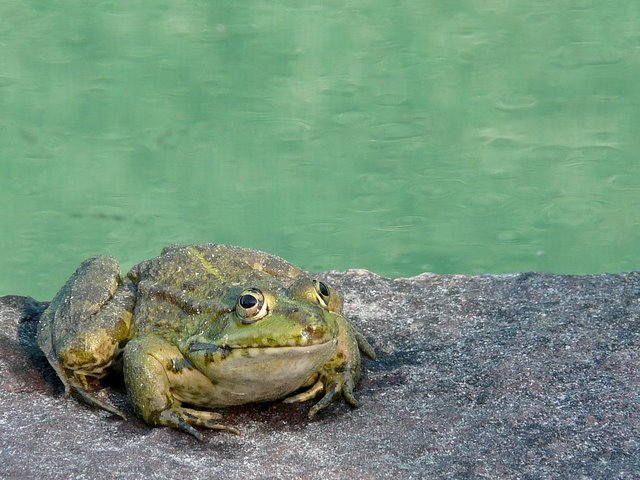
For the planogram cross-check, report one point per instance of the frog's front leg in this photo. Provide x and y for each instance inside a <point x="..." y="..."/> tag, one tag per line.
<point x="341" y="373"/>
<point x="152" y="368"/>
<point x="82" y="329"/>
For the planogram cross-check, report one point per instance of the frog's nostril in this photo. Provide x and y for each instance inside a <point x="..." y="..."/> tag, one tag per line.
<point x="313" y="332"/>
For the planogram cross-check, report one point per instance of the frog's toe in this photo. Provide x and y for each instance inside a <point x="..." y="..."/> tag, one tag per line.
<point x="186" y="419"/>
<point x="206" y="419"/>
<point x="324" y="402"/>
<point x="94" y="401"/>
<point x="173" y="418"/>
<point x="312" y="392"/>
<point x="347" y="392"/>
<point x="77" y="385"/>
<point x="364" y="345"/>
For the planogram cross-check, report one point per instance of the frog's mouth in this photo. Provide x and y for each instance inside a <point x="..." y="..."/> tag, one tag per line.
<point x="212" y="349"/>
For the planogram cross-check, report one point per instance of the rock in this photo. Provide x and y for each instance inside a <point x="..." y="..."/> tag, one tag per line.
<point x="511" y="376"/>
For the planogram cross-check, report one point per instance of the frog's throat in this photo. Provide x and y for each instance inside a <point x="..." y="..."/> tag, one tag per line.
<point x="261" y="363"/>
<point x="236" y="376"/>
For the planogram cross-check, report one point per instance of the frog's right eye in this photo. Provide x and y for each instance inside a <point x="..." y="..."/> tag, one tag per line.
<point x="322" y="293"/>
<point x="251" y="306"/>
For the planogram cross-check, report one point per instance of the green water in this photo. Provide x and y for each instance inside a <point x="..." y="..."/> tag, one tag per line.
<point x="445" y="136"/>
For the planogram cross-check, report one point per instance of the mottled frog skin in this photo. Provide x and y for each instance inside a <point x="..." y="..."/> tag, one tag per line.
<point x="202" y="327"/>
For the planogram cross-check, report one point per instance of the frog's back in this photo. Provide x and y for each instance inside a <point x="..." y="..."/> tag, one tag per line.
<point x="221" y="262"/>
<point x="185" y="281"/>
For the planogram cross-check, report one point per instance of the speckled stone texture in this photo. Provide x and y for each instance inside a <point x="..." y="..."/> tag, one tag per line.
<point x="514" y="376"/>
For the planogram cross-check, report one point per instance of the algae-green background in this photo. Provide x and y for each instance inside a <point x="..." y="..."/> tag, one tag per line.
<point x="401" y="137"/>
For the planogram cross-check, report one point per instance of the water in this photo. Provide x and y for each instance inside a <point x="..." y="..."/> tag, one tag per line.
<point x="415" y="136"/>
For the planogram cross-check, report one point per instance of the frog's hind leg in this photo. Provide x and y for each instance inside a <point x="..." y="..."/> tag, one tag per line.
<point x="82" y="329"/>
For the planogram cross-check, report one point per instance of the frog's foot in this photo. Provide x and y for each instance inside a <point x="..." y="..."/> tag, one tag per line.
<point x="335" y="385"/>
<point x="332" y="384"/>
<point x="186" y="419"/>
<point x="77" y="384"/>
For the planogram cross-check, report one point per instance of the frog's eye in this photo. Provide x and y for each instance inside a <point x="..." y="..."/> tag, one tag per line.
<point x="251" y="306"/>
<point x="322" y="293"/>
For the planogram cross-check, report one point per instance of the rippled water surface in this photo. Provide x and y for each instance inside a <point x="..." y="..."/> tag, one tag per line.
<point x="395" y="136"/>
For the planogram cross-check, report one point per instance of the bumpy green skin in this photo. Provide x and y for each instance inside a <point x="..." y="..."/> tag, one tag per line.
<point x="178" y="325"/>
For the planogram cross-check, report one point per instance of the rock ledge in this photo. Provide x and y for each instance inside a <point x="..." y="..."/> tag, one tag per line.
<point x="510" y="376"/>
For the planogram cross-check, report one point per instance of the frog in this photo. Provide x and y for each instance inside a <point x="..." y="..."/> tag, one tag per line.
<point x="198" y="328"/>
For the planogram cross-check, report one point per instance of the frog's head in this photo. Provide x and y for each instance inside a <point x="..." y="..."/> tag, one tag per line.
<point x="272" y="341"/>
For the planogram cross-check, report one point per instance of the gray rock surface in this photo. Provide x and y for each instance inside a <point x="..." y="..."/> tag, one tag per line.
<point x="516" y="376"/>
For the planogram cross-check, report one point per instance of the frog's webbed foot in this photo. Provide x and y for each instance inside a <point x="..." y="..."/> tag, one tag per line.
<point x="339" y="384"/>
<point x="333" y="384"/>
<point x="186" y="419"/>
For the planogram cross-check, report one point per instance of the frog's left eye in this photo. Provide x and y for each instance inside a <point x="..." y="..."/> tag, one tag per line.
<point x="322" y="293"/>
<point x="251" y="306"/>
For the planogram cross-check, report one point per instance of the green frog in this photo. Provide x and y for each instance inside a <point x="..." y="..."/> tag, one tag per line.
<point x="201" y="327"/>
